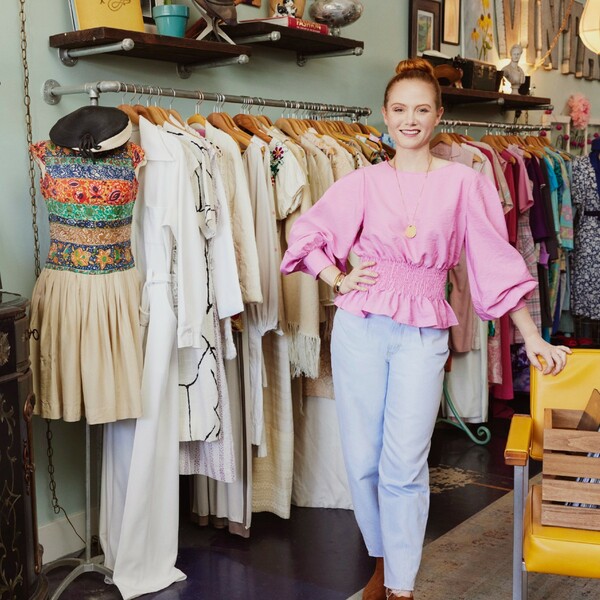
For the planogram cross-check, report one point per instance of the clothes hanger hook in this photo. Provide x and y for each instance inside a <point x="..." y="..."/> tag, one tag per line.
<point x="261" y="107"/>
<point x="173" y="98"/>
<point x="199" y="101"/>
<point x="148" y="97"/>
<point x="158" y="97"/>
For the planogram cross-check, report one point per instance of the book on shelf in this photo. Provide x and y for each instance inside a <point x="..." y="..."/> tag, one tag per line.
<point x="120" y="14"/>
<point x="293" y="23"/>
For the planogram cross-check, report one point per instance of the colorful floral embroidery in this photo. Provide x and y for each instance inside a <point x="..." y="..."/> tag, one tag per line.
<point x="104" y="258"/>
<point x="90" y="259"/>
<point x="277" y="156"/>
<point x="80" y="258"/>
<point x="81" y="191"/>
<point x="90" y="205"/>
<point x="77" y="212"/>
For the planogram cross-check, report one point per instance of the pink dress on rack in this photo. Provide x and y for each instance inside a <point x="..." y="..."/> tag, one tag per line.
<point x="459" y="207"/>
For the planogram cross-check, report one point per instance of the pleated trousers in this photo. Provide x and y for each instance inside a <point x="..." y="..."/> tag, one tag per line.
<point x="388" y="380"/>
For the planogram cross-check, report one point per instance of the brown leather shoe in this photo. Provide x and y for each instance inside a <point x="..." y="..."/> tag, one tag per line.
<point x="390" y="596"/>
<point x="375" y="589"/>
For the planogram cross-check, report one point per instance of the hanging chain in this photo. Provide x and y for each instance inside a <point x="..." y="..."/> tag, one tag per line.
<point x="36" y="238"/>
<point x="56" y="507"/>
<point x="27" y="102"/>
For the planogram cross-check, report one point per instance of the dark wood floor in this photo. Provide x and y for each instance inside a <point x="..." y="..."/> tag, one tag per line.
<point x="318" y="554"/>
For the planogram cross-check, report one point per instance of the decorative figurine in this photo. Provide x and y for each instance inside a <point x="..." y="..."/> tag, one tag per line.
<point x="287" y="8"/>
<point x="513" y="72"/>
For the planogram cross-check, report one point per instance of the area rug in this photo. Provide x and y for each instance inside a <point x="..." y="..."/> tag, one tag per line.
<point x="474" y="562"/>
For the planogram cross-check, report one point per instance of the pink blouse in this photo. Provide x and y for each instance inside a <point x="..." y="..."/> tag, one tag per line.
<point x="459" y="208"/>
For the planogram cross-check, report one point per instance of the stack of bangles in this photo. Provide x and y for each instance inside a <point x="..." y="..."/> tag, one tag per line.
<point x="337" y="283"/>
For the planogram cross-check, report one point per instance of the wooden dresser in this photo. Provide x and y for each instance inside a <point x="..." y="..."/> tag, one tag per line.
<point x="20" y="552"/>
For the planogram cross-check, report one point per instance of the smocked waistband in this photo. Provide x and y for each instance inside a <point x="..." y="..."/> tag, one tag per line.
<point x="409" y="280"/>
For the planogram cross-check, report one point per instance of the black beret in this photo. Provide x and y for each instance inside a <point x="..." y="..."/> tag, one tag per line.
<point x="91" y="129"/>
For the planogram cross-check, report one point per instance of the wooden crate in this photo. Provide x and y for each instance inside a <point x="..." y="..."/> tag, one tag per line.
<point x="565" y="461"/>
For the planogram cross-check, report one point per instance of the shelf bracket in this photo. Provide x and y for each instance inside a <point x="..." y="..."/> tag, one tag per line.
<point x="272" y="36"/>
<point x="519" y="109"/>
<point x="184" y="71"/>
<point x="303" y="58"/>
<point x="69" y="57"/>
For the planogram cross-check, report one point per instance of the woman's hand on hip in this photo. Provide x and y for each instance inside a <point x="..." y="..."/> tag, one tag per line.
<point x="360" y="278"/>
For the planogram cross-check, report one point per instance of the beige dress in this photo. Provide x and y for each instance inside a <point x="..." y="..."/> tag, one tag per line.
<point x="86" y="350"/>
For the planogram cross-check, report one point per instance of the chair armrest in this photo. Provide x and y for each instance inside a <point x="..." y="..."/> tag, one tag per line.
<point x="518" y="443"/>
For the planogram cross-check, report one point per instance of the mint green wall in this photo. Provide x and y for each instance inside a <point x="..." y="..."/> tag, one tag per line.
<point x="271" y="74"/>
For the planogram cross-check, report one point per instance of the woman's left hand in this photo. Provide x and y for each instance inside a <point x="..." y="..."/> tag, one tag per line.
<point x="555" y="357"/>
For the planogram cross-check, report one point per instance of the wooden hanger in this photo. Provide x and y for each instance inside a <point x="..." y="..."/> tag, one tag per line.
<point x="443" y="137"/>
<point x="177" y="117"/>
<point x="142" y="111"/>
<point x="225" y="123"/>
<point x="134" y="117"/>
<point x="288" y="128"/>
<point x="197" y="118"/>
<point x="157" y="114"/>
<point x="249" y="123"/>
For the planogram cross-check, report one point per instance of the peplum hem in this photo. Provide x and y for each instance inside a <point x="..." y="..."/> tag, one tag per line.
<point x="416" y="311"/>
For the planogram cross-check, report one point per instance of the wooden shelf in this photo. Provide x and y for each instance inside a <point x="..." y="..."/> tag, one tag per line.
<point x="306" y="44"/>
<point x="454" y="96"/>
<point x="147" y="45"/>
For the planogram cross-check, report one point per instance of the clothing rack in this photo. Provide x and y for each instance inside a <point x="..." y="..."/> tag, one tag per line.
<point x="508" y="127"/>
<point x="483" y="434"/>
<point x="53" y="92"/>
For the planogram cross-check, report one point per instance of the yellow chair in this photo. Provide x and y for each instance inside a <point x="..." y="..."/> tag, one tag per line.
<point x="536" y="547"/>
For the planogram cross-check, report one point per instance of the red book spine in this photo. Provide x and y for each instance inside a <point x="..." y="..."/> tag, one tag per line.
<point x="295" y="23"/>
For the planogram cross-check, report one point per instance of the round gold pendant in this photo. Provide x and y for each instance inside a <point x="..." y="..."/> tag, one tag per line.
<point x="410" y="231"/>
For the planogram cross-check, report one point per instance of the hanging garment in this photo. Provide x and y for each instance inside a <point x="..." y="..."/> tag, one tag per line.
<point x="230" y="504"/>
<point x="585" y="272"/>
<point x="87" y="358"/>
<point x="213" y="456"/>
<point x="272" y="474"/>
<point x="300" y="294"/>
<point x="262" y="317"/>
<point x="201" y="416"/>
<point x="242" y="221"/>
<point x="143" y="552"/>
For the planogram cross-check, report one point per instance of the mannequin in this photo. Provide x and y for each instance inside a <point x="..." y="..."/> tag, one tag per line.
<point x="513" y="72"/>
<point x="87" y="358"/>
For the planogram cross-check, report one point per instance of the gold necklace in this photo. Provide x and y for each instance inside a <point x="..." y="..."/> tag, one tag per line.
<point x="411" y="229"/>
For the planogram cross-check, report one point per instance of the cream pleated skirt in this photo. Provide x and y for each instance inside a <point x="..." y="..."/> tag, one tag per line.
<point x="86" y="348"/>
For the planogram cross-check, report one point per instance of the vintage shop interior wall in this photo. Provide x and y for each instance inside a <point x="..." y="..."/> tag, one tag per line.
<point x="348" y="80"/>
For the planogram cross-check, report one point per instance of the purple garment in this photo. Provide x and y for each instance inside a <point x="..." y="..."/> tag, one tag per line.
<point x="537" y="220"/>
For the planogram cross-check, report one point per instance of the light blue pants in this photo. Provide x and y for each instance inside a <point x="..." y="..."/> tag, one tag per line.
<point x="388" y="385"/>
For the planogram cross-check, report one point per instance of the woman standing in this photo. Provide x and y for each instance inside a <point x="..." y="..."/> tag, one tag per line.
<point x="407" y="221"/>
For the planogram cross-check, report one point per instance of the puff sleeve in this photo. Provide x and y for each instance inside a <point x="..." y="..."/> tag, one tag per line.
<point x="498" y="276"/>
<point x="325" y="234"/>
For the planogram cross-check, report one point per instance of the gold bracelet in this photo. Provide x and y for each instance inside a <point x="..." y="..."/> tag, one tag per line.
<point x="337" y="283"/>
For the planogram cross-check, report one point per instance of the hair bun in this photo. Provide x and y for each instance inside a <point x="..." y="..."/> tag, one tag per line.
<point x="415" y="64"/>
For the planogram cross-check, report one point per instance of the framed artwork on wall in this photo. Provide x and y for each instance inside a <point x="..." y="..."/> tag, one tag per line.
<point x="451" y="24"/>
<point x="424" y="27"/>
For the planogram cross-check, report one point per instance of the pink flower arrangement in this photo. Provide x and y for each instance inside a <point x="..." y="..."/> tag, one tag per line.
<point x="579" y="107"/>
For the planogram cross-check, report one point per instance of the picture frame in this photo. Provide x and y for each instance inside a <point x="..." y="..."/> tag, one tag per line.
<point x="424" y="27"/>
<point x="451" y="22"/>
<point x="147" y="6"/>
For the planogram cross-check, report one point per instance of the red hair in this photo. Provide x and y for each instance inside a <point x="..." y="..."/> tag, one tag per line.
<point x="415" y="68"/>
